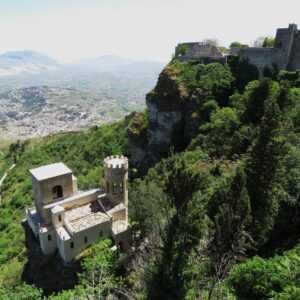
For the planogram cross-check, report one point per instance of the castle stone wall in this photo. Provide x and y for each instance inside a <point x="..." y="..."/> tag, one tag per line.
<point x="285" y="54"/>
<point x="264" y="57"/>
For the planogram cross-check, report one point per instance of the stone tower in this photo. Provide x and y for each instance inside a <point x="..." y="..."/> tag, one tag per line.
<point x="284" y="41"/>
<point x="116" y="178"/>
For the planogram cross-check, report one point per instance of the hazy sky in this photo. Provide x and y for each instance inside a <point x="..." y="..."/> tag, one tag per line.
<point x="144" y="29"/>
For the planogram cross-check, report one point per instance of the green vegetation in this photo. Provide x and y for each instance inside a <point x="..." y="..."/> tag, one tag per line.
<point x="83" y="152"/>
<point x="237" y="44"/>
<point x="212" y="78"/>
<point x="181" y="49"/>
<point x="137" y="127"/>
<point x="217" y="219"/>
<point x="277" y="277"/>
<point x="269" y="42"/>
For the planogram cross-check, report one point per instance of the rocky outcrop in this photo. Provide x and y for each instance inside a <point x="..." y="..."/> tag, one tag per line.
<point x="171" y="120"/>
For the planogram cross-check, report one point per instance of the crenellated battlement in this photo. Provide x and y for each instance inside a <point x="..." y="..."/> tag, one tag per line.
<point x="116" y="162"/>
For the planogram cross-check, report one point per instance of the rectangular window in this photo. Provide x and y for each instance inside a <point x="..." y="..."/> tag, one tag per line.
<point x="101" y="233"/>
<point x="107" y="187"/>
<point x="115" y="188"/>
<point x="59" y="218"/>
<point x="121" y="187"/>
<point x="72" y="245"/>
<point x="49" y="237"/>
<point x="85" y="239"/>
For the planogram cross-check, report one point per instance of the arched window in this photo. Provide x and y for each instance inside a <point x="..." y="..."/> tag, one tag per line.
<point x="57" y="192"/>
<point x="121" y="188"/>
<point x="107" y="187"/>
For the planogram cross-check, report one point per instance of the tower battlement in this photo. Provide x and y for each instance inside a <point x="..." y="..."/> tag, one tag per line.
<point x="116" y="177"/>
<point x="116" y="162"/>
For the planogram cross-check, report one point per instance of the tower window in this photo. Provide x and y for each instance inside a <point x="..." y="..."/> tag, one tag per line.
<point x="107" y="187"/>
<point x="121" y="188"/>
<point x="85" y="239"/>
<point x="59" y="218"/>
<point x="72" y="245"/>
<point x="57" y="192"/>
<point x="49" y="237"/>
<point x="101" y="233"/>
<point x="115" y="188"/>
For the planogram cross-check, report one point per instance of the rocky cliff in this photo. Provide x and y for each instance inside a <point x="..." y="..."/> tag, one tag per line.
<point x="180" y="102"/>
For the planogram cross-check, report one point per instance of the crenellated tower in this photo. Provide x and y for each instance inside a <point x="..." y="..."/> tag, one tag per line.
<point x="116" y="178"/>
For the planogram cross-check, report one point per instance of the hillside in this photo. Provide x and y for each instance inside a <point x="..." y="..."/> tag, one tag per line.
<point x="214" y="191"/>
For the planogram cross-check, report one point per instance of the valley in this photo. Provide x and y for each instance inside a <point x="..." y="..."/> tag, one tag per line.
<point x="39" y="111"/>
<point x="39" y="96"/>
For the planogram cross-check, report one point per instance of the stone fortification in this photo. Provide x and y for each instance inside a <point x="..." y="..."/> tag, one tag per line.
<point x="66" y="220"/>
<point x="285" y="55"/>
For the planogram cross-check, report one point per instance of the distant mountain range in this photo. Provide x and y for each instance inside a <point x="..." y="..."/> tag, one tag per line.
<point x="30" y="62"/>
<point x="25" y="62"/>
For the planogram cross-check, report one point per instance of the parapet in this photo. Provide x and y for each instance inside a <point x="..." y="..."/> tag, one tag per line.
<point x="115" y="166"/>
<point x="116" y="162"/>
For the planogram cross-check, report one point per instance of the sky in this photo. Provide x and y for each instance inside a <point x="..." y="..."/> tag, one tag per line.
<point x="70" y="30"/>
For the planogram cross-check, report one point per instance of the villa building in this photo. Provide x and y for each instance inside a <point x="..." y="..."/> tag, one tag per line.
<point x="69" y="220"/>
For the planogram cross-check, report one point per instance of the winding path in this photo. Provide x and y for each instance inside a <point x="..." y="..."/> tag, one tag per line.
<point x="4" y="176"/>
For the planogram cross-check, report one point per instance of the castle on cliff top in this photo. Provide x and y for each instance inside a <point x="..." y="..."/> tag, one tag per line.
<point x="69" y="220"/>
<point x="285" y="54"/>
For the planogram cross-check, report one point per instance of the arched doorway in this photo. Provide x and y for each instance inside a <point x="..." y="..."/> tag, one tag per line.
<point x="57" y="192"/>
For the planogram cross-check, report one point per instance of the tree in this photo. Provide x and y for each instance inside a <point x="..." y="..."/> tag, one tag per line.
<point x="21" y="292"/>
<point x="230" y="237"/>
<point x="255" y="97"/>
<point x="216" y="135"/>
<point x="184" y="232"/>
<point x="235" y="44"/>
<point x="211" y="42"/>
<point x="261" y="170"/>
<point x="149" y="208"/>
<point x="99" y="279"/>
<point x="268" y="42"/>
<point x="264" y="41"/>
<point x="181" y="49"/>
<point x="243" y="71"/>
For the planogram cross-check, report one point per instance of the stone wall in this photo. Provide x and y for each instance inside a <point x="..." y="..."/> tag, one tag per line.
<point x="264" y="57"/>
<point x="285" y="54"/>
<point x="93" y="234"/>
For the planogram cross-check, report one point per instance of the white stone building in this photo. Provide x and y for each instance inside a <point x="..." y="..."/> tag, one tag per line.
<point x="69" y="220"/>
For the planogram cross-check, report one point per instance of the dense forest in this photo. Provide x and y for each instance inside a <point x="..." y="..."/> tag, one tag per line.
<point x="217" y="216"/>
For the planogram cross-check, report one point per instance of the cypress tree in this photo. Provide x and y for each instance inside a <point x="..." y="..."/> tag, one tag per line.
<point x="261" y="171"/>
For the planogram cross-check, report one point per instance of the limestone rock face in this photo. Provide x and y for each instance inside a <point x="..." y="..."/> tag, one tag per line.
<point x="169" y="110"/>
<point x="161" y="126"/>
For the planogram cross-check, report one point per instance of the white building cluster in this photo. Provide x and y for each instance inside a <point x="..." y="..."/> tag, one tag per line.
<point x="69" y="220"/>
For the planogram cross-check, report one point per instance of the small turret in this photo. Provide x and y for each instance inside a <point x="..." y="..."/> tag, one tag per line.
<point x="116" y="178"/>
